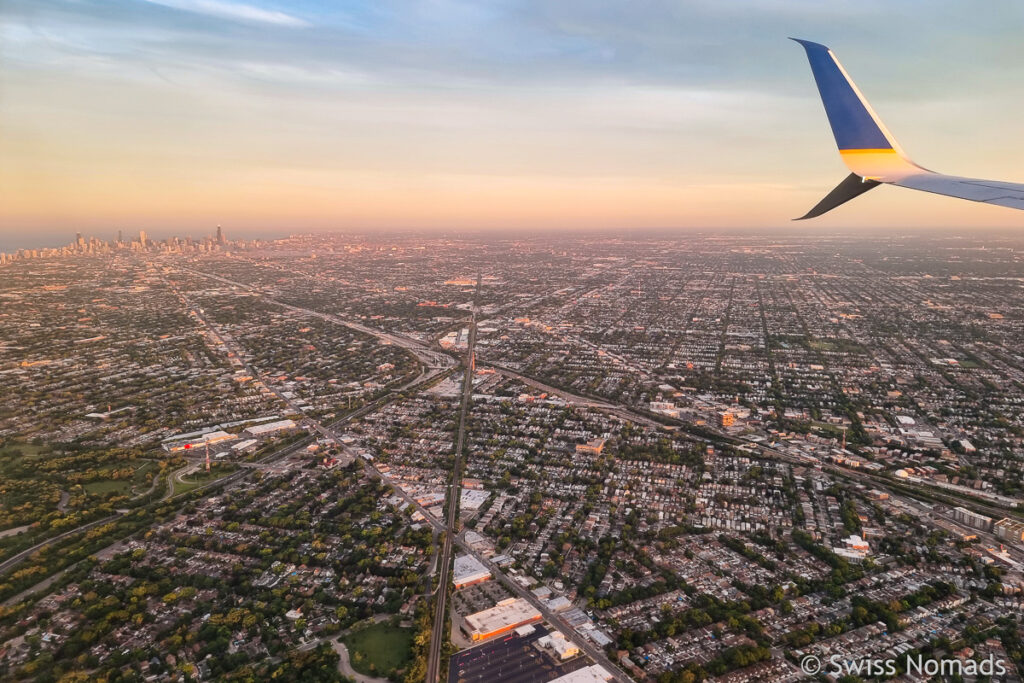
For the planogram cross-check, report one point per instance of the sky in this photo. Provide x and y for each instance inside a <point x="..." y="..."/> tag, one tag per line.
<point x="176" y="115"/>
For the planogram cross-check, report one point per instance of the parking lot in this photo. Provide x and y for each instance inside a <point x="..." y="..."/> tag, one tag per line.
<point x="509" y="659"/>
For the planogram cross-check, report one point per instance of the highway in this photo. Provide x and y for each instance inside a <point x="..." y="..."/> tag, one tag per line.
<point x="434" y="361"/>
<point x="441" y="362"/>
<point x="907" y="488"/>
<point x="437" y="634"/>
<point x="591" y="650"/>
<point x="619" y="410"/>
<point x="15" y="560"/>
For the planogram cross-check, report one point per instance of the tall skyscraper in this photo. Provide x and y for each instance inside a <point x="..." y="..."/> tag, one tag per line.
<point x="142" y="237"/>
<point x="220" y="235"/>
<point x="120" y="237"/>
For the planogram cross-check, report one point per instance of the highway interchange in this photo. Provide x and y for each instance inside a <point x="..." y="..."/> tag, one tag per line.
<point x="434" y="364"/>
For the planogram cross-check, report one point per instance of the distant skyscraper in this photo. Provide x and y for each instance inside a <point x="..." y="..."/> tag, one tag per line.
<point x="220" y="235"/>
<point x="142" y="237"/>
<point x="120" y="237"/>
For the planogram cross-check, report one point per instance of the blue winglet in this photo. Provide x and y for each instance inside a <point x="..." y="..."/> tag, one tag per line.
<point x="853" y="123"/>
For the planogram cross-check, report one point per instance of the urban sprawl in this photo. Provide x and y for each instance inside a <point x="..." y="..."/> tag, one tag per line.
<point x="511" y="460"/>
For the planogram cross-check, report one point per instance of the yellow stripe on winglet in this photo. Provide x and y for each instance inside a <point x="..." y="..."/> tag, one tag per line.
<point x="867" y="151"/>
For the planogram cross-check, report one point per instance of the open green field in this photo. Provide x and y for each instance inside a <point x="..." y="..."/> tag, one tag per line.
<point x="379" y="649"/>
<point x="123" y="487"/>
<point x="139" y="478"/>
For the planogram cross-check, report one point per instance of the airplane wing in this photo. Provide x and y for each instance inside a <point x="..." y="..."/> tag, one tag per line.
<point x="872" y="154"/>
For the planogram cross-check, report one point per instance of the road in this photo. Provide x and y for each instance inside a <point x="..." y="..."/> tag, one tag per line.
<point x="589" y="648"/>
<point x="437" y="634"/>
<point x="511" y="659"/>
<point x="438" y="361"/>
<point x="234" y="476"/>
<point x="345" y="666"/>
<point x="709" y="433"/>
<point x="434" y="361"/>
<point x="592" y="651"/>
<point x="617" y="409"/>
<point x="239" y="353"/>
<point x="15" y="560"/>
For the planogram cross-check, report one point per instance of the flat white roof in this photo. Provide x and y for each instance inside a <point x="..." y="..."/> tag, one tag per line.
<point x="472" y="499"/>
<point x="508" y="613"/>
<point x="468" y="568"/>
<point x="219" y="435"/>
<point x="559" y="603"/>
<point x="595" y="673"/>
<point x="271" y="427"/>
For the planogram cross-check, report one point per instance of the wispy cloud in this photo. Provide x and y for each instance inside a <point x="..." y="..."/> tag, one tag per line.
<point x="531" y="102"/>
<point x="234" y="11"/>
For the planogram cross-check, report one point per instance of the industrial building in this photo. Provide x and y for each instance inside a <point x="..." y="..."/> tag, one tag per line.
<point x="472" y="499"/>
<point x="506" y="616"/>
<point x="269" y="428"/>
<point x="559" y="604"/>
<point x="561" y="647"/>
<point x="595" y="673"/>
<point x="972" y="519"/>
<point x="245" y="446"/>
<point x="1010" y="530"/>
<point x="469" y="571"/>
<point x="208" y="438"/>
<point x="854" y="548"/>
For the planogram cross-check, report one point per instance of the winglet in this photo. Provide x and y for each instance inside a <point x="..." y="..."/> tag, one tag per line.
<point x="868" y="149"/>
<point x="852" y="186"/>
<point x="854" y="124"/>
<point x="865" y="145"/>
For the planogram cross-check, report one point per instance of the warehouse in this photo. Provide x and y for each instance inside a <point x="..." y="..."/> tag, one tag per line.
<point x="595" y="673"/>
<point x="208" y="438"/>
<point x="469" y="571"/>
<point x="1008" y="529"/>
<point x="245" y="446"/>
<point x="270" y="428"/>
<point x="506" y="616"/>
<point x="560" y="646"/>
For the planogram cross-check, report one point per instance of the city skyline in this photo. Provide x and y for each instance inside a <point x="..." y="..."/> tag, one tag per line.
<point x="449" y="341"/>
<point x="173" y="115"/>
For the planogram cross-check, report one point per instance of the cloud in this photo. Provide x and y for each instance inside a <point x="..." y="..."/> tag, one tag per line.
<point x="378" y="96"/>
<point x="234" y="11"/>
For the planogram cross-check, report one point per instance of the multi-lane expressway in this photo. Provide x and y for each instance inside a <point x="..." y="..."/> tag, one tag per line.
<point x="436" y="362"/>
<point x="437" y="636"/>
